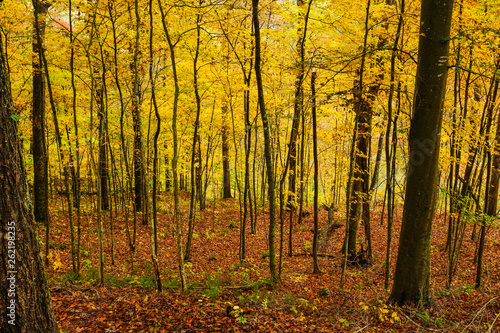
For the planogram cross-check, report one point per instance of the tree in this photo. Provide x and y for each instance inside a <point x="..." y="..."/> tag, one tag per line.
<point x="267" y="143"/>
<point x="26" y="296"/>
<point x="225" y="157"/>
<point x="40" y="157"/>
<point x="139" y="171"/>
<point x="412" y="275"/>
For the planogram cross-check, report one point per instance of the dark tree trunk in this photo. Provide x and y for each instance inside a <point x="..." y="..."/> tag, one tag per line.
<point x="491" y="199"/>
<point x="168" y="178"/>
<point x="154" y="221"/>
<point x="103" y="160"/>
<point x="40" y="157"/>
<point x="267" y="145"/>
<point x="195" y="144"/>
<point x="316" y="174"/>
<point x="225" y="158"/>
<point x="412" y="275"/>
<point x="137" y="124"/>
<point x="24" y="293"/>
<point x="359" y="203"/>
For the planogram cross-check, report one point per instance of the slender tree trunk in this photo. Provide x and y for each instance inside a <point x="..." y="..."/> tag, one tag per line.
<point x="131" y="237"/>
<point x="316" y="174"/>
<point x="491" y="198"/>
<point x="136" y="118"/>
<point x="412" y="275"/>
<point x="76" y="175"/>
<point x="103" y="158"/>
<point x="154" y="220"/>
<point x="376" y="168"/>
<point x="177" y="213"/>
<point x="40" y="156"/>
<point x="25" y="301"/>
<point x="298" y="109"/>
<point x="226" y="185"/>
<point x="390" y="155"/>
<point x="195" y="144"/>
<point x="267" y="144"/>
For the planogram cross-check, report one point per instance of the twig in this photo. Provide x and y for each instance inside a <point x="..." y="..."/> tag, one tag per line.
<point x="480" y="310"/>
<point x="493" y="323"/>
<point x="362" y="328"/>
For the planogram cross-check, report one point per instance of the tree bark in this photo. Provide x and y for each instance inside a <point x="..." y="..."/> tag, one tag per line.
<point x="491" y="191"/>
<point x="316" y="174"/>
<point x="25" y="297"/>
<point x="175" y="157"/>
<point x="267" y="145"/>
<point x="40" y="157"/>
<point x="136" y="117"/>
<point x="103" y="156"/>
<point x="412" y="275"/>
<point x="225" y="157"/>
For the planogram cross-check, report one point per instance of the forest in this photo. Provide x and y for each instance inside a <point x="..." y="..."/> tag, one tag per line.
<point x="249" y="165"/>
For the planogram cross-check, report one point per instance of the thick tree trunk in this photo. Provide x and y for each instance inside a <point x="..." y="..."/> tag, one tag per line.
<point x="359" y="203"/>
<point x="412" y="275"/>
<point x="24" y="293"/>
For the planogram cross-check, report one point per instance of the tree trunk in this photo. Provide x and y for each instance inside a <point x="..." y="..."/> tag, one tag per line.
<point x="25" y="296"/>
<point x="103" y="159"/>
<point x="316" y="173"/>
<point x="195" y="145"/>
<point x="267" y="144"/>
<point x="40" y="157"/>
<point x="154" y="220"/>
<point x="136" y="118"/>
<point x="412" y="275"/>
<point x="175" y="157"/>
<point x="225" y="157"/>
<point x="491" y="191"/>
<point x="359" y="196"/>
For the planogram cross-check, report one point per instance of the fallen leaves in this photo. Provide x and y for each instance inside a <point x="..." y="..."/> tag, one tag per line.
<point x="300" y="304"/>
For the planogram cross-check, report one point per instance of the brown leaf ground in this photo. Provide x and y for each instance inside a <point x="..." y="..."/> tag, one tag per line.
<point x="128" y="301"/>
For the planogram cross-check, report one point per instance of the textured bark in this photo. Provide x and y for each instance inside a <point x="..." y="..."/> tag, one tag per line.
<point x="412" y="275"/>
<point x="195" y="158"/>
<point x="40" y="157"/>
<point x="491" y="199"/>
<point x="267" y="145"/>
<point x="20" y="261"/>
<point x="136" y="118"/>
<point x="316" y="174"/>
<point x="362" y="138"/>
<point x="175" y="179"/>
<point x="103" y="159"/>
<point x="225" y="157"/>
<point x="360" y="187"/>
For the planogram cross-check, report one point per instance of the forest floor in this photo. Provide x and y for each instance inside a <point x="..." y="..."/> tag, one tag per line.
<point x="226" y="296"/>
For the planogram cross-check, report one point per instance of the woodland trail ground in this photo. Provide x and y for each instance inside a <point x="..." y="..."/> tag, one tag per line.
<point x="225" y="296"/>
